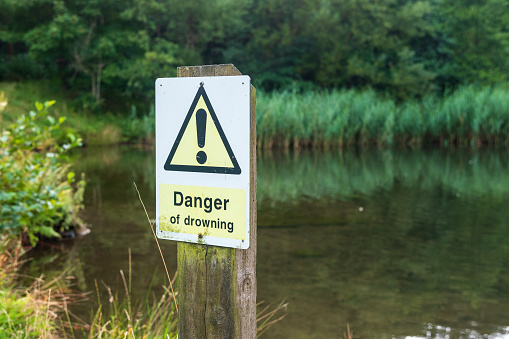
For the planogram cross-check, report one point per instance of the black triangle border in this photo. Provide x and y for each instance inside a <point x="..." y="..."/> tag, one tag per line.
<point x="203" y="169"/>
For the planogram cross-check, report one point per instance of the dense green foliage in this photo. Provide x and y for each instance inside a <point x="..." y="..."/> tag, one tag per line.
<point x="104" y="49"/>
<point x="132" y="125"/>
<point x="471" y="115"/>
<point x="37" y="196"/>
<point x="368" y="71"/>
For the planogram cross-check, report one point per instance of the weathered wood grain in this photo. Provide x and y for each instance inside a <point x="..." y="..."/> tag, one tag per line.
<point x="216" y="285"/>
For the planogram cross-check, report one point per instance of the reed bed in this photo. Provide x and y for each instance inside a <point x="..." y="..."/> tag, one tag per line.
<point x="471" y="115"/>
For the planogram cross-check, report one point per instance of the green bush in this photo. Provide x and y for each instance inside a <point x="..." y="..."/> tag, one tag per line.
<point x="39" y="195"/>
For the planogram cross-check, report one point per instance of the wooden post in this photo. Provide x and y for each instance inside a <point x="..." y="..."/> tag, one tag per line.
<point x="217" y="285"/>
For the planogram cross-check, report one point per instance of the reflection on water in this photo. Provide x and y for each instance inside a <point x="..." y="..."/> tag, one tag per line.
<point x="398" y="244"/>
<point x="387" y="241"/>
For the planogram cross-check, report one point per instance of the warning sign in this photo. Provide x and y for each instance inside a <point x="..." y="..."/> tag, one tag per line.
<point x="201" y="145"/>
<point x="204" y="211"/>
<point x="203" y="160"/>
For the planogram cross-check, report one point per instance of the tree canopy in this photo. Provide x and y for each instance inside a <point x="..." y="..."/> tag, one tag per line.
<point x="404" y="48"/>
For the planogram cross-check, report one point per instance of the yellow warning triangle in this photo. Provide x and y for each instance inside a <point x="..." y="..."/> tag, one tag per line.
<point x="201" y="145"/>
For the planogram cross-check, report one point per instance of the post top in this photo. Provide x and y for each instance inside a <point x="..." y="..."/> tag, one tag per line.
<point x="207" y="70"/>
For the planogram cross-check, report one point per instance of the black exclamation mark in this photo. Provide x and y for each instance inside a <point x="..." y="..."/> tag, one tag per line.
<point x="201" y="126"/>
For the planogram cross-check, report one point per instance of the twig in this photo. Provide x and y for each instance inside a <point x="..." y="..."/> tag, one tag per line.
<point x="159" y="247"/>
<point x="348" y="334"/>
<point x="47" y="310"/>
<point x="268" y="322"/>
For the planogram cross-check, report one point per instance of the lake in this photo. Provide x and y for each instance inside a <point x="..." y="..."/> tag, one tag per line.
<point x="395" y="243"/>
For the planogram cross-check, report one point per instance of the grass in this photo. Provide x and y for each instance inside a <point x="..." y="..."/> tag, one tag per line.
<point x="33" y="311"/>
<point x="469" y="116"/>
<point x="96" y="128"/>
<point x="148" y="318"/>
<point x="348" y="334"/>
<point x="264" y="318"/>
<point x="123" y="317"/>
<point x="41" y="310"/>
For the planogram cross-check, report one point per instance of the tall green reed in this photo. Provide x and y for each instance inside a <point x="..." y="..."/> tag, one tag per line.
<point x="470" y="115"/>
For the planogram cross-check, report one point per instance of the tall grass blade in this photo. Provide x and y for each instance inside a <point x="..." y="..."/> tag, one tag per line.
<point x="159" y="247"/>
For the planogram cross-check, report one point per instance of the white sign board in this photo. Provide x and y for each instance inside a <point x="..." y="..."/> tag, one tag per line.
<point x="203" y="160"/>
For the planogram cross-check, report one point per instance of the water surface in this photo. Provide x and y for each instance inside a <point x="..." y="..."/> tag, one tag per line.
<point x="397" y="244"/>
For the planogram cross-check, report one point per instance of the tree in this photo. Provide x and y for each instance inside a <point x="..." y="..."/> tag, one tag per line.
<point x="476" y="35"/>
<point x="338" y="43"/>
<point x="268" y="43"/>
<point x="16" y="18"/>
<point x="402" y="47"/>
<point x="106" y="41"/>
<point x="372" y="43"/>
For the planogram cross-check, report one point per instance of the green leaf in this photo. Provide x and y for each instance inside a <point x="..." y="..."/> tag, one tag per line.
<point x="49" y="232"/>
<point x="70" y="177"/>
<point x="39" y="106"/>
